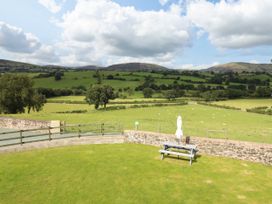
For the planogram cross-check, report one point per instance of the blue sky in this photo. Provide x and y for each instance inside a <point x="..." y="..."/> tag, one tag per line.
<point x="179" y="34"/>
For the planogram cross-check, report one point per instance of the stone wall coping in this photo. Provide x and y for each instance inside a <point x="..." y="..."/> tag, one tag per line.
<point x="22" y="119"/>
<point x="236" y="142"/>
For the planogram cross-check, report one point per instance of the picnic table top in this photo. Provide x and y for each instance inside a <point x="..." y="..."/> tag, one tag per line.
<point x="180" y="146"/>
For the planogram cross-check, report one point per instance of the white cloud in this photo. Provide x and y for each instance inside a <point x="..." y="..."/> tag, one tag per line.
<point x="163" y="2"/>
<point x="197" y="67"/>
<point x="98" y="31"/>
<point x="234" y="23"/>
<point x="51" y="5"/>
<point x="45" y="55"/>
<point x="14" y="39"/>
<point x="18" y="45"/>
<point x="254" y="62"/>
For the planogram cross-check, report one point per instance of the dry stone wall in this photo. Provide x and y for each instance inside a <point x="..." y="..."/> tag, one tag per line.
<point x="21" y="124"/>
<point x="249" y="151"/>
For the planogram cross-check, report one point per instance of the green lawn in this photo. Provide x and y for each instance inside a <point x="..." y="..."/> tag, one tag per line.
<point x="197" y="119"/>
<point x="128" y="173"/>
<point x="246" y="103"/>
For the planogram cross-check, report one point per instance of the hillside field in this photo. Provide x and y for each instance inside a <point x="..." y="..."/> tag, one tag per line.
<point x="126" y="79"/>
<point x="129" y="79"/>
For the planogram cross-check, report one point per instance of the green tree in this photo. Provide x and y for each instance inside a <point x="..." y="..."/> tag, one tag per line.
<point x="170" y="94"/>
<point x="99" y="77"/>
<point x="263" y="92"/>
<point x="100" y="95"/>
<point x="214" y="95"/>
<point x="58" y="76"/>
<point x="17" y="93"/>
<point x="130" y="91"/>
<point x="148" y="92"/>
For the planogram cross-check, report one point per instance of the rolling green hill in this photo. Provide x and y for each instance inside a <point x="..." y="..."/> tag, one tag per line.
<point x="136" y="67"/>
<point x="14" y="66"/>
<point x="241" y="67"/>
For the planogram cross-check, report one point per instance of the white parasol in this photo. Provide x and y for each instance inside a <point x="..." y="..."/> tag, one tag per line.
<point x="179" y="132"/>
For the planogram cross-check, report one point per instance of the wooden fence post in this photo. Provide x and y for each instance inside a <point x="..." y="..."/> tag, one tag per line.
<point x="21" y="137"/>
<point x="49" y="133"/>
<point x="79" y="131"/>
<point x="102" y="129"/>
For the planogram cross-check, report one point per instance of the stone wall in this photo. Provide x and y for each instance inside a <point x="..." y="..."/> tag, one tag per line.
<point x="255" y="152"/>
<point x="21" y="124"/>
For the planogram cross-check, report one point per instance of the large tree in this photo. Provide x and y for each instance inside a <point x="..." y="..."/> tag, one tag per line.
<point x="148" y="92"/>
<point x="100" y="95"/>
<point x="18" y="94"/>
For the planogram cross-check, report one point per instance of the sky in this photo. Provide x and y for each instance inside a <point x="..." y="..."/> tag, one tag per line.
<point x="179" y="34"/>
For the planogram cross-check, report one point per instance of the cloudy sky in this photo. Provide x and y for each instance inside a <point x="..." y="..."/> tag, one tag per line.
<point x="174" y="33"/>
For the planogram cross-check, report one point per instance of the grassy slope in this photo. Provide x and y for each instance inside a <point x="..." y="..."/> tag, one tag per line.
<point x="196" y="120"/>
<point x="246" y="103"/>
<point x="85" y="78"/>
<point x="128" y="173"/>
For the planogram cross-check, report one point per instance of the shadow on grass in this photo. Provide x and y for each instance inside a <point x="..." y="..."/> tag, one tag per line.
<point x="182" y="158"/>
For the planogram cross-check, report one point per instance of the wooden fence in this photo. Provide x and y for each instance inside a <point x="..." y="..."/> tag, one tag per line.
<point x="66" y="131"/>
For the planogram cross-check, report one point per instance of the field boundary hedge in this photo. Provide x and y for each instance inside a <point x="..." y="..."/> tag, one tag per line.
<point x="261" y="110"/>
<point x="218" y="106"/>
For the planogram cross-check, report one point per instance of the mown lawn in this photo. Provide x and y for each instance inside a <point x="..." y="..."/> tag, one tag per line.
<point x="128" y="173"/>
<point x="246" y="103"/>
<point x="197" y="120"/>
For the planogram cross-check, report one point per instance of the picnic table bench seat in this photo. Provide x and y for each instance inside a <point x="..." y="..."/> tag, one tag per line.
<point x="175" y="149"/>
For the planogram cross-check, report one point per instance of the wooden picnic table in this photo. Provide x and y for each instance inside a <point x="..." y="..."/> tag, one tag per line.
<point x="187" y="150"/>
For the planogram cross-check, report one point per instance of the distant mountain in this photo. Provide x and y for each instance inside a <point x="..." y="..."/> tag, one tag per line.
<point x="241" y="67"/>
<point x="14" y="66"/>
<point x="7" y="65"/>
<point x="136" y="67"/>
<point x="89" y="67"/>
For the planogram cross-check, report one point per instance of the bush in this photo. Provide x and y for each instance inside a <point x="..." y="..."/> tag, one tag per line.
<point x="218" y="106"/>
<point x="58" y="75"/>
<point x="73" y="111"/>
<point x="261" y="110"/>
<point x="49" y="93"/>
<point x="263" y="92"/>
<point x="113" y="108"/>
<point x="148" y="92"/>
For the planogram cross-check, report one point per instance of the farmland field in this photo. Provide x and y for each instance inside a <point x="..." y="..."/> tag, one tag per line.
<point x="246" y="103"/>
<point x="85" y="78"/>
<point x="197" y="120"/>
<point x="128" y="173"/>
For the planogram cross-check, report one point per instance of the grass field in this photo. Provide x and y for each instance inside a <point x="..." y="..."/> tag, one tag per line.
<point x="82" y="98"/>
<point x="246" y="103"/>
<point x="197" y="119"/>
<point x="128" y="173"/>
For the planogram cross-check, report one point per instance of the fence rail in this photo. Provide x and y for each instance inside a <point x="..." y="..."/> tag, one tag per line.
<point x="53" y="133"/>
